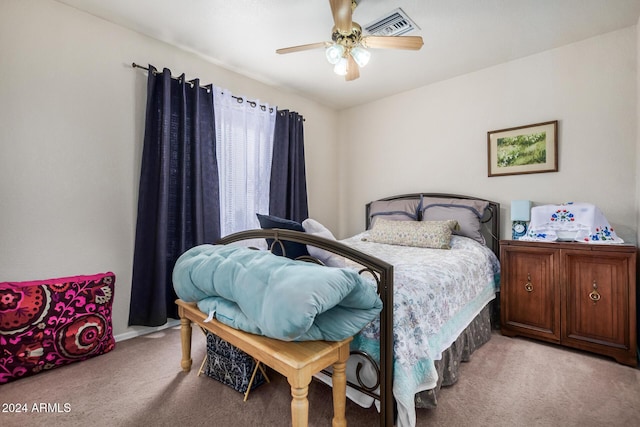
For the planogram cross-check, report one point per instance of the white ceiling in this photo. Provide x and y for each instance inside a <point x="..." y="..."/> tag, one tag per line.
<point x="460" y="36"/>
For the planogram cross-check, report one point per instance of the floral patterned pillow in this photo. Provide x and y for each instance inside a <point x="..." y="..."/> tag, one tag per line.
<point x="423" y="234"/>
<point x="49" y="323"/>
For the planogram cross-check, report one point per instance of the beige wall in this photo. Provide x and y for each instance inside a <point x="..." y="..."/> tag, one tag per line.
<point x="435" y="138"/>
<point x="71" y="129"/>
<point x="638" y="139"/>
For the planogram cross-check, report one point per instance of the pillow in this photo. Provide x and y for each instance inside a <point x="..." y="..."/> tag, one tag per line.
<point x="313" y="227"/>
<point x="292" y="250"/>
<point x="422" y="234"/>
<point x="466" y="212"/>
<point x="396" y="210"/>
<point x="49" y="323"/>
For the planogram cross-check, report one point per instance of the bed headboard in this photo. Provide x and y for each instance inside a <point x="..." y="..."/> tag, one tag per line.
<point x="490" y="219"/>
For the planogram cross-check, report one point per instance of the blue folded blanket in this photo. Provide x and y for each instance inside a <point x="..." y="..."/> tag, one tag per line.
<point x="274" y="296"/>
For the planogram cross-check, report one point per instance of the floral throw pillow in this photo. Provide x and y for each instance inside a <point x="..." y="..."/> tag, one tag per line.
<point x="422" y="234"/>
<point x="49" y="323"/>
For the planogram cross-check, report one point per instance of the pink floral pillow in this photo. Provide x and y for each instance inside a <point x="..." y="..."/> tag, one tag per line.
<point x="49" y="323"/>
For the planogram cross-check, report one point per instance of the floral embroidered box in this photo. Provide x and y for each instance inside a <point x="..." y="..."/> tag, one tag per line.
<point x="579" y="222"/>
<point x="50" y="323"/>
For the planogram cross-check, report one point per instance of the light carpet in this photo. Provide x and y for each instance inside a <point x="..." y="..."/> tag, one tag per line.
<point x="508" y="382"/>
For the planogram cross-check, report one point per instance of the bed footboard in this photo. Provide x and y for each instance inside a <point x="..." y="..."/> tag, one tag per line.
<point x="383" y="274"/>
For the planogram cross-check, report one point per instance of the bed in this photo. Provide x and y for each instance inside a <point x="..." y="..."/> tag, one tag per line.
<point x="438" y="292"/>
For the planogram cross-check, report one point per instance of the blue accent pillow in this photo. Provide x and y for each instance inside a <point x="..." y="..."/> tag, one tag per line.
<point x="292" y="250"/>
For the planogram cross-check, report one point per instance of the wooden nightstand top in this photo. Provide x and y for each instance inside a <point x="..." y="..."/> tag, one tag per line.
<point x="622" y="247"/>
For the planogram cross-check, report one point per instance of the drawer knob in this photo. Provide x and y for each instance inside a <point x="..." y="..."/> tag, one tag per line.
<point x="528" y="286"/>
<point x="594" y="295"/>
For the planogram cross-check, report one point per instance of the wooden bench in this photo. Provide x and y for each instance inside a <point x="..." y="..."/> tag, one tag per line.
<point x="297" y="361"/>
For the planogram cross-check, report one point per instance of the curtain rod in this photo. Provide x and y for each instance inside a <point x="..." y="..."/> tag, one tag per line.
<point x="237" y="98"/>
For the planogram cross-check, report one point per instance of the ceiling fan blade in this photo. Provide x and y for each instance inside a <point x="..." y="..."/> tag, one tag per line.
<point x="342" y="13"/>
<point x="303" y="47"/>
<point x="393" y="42"/>
<point x="353" y="71"/>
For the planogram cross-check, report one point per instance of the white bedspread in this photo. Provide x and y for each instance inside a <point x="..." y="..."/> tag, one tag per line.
<point x="437" y="293"/>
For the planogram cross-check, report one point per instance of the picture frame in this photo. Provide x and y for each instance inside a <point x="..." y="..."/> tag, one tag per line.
<point x="523" y="149"/>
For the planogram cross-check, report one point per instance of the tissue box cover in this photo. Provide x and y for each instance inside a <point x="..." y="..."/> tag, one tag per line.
<point x="49" y="323"/>
<point x="580" y="222"/>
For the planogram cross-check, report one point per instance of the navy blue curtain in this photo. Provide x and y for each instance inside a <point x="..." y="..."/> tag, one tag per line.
<point x="178" y="202"/>
<point x="288" y="190"/>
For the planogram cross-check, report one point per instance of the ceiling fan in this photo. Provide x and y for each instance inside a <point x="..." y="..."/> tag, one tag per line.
<point x="347" y="50"/>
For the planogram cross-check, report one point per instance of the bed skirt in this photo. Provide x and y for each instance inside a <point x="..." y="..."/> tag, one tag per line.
<point x="473" y="337"/>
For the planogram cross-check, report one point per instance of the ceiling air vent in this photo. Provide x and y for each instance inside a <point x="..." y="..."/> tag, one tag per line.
<point x="395" y="23"/>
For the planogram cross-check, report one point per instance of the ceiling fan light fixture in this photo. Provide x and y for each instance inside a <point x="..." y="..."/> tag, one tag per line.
<point x="348" y="50"/>
<point x="360" y="55"/>
<point x="334" y="53"/>
<point x="341" y="67"/>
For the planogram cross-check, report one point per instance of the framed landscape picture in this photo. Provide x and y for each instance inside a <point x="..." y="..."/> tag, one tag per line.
<point x="523" y="149"/>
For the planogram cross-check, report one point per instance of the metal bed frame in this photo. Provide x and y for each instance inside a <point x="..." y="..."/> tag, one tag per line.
<point x="383" y="274"/>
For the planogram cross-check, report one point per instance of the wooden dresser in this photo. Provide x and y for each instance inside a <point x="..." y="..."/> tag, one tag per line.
<point x="575" y="294"/>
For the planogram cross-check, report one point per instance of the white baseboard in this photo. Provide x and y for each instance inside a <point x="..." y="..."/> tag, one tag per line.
<point x="144" y="330"/>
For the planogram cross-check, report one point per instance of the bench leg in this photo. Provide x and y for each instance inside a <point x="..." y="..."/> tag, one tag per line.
<point x="185" y="336"/>
<point x="300" y="406"/>
<point x="339" y="383"/>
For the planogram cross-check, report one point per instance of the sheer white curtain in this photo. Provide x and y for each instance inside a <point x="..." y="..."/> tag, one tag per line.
<point x="244" y="147"/>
